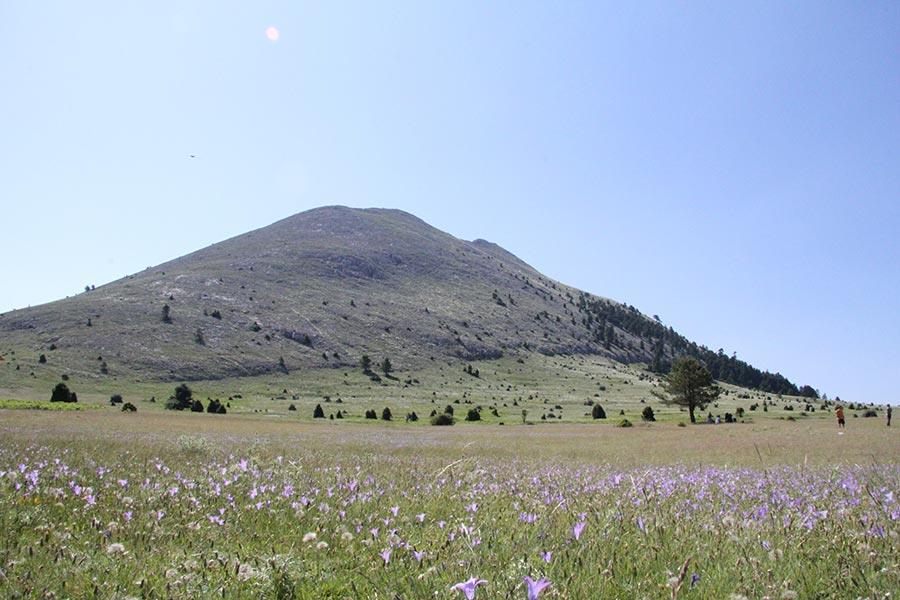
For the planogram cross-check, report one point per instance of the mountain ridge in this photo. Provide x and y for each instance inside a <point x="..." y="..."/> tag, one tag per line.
<point x="323" y="287"/>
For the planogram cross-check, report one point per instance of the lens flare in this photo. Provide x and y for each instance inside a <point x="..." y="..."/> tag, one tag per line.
<point x="272" y="34"/>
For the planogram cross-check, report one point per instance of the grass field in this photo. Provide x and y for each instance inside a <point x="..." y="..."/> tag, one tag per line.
<point x="550" y="389"/>
<point x="159" y="504"/>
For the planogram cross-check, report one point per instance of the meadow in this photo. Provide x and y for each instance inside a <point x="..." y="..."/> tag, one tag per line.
<point x="176" y="505"/>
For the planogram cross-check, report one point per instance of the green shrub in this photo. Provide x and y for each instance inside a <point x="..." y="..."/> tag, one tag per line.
<point x="442" y="419"/>
<point x="597" y="412"/>
<point x="318" y="413"/>
<point x="625" y="423"/>
<point x="473" y="415"/>
<point x="61" y="393"/>
<point x="647" y="414"/>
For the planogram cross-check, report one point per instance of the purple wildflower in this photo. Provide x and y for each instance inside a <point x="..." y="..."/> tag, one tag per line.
<point x="536" y="587"/>
<point x="468" y="587"/>
<point x="579" y="527"/>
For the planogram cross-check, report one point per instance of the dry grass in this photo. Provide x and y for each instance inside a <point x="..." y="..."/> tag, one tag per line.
<point x="773" y="442"/>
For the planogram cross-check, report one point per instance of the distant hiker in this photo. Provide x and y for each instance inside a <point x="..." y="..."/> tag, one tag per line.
<point x="889" y="415"/>
<point x="839" y="413"/>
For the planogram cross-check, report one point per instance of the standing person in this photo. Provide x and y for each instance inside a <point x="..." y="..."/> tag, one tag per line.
<point x="889" y="415"/>
<point x="839" y="412"/>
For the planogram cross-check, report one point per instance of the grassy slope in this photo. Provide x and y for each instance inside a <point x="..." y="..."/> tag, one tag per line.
<point x="538" y="384"/>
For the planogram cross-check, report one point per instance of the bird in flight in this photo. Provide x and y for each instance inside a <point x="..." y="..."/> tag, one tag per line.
<point x="192" y="156"/>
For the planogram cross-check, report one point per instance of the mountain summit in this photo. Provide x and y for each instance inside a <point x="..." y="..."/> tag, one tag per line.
<point x="324" y="287"/>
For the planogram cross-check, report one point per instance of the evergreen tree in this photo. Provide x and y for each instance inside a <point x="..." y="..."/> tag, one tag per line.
<point x="318" y="413"/>
<point x="386" y="367"/>
<point x="61" y="393"/>
<point x="691" y="385"/>
<point x="366" y="363"/>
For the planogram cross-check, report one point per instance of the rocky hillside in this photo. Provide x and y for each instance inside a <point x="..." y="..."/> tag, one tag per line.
<point x="324" y="287"/>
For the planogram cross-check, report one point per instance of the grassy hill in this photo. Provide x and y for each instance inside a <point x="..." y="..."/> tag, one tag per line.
<point x="322" y="288"/>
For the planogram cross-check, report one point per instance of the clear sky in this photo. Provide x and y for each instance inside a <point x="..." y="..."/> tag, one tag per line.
<point x="732" y="167"/>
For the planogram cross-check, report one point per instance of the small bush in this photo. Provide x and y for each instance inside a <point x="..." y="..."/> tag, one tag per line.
<point x="129" y="407"/>
<point x="647" y="415"/>
<point x="196" y="406"/>
<point x="371" y="414"/>
<point x="625" y="423"/>
<point x="61" y="393"/>
<point x="115" y="399"/>
<point x="318" y="413"/>
<point x="870" y="413"/>
<point x="386" y="414"/>
<point x="442" y="419"/>
<point x="473" y="415"/>
<point x="597" y="412"/>
<point x="292" y="407"/>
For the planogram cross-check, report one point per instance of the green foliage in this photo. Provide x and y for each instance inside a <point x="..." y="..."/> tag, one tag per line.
<point x="690" y="384"/>
<point x="808" y="391"/>
<point x="442" y="419"/>
<point x="61" y="393"/>
<point x="625" y="423"/>
<point x="37" y="405"/>
<point x="182" y="400"/>
<point x="129" y="407"/>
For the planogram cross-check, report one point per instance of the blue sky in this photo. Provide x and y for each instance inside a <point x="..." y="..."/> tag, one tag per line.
<point x="732" y="167"/>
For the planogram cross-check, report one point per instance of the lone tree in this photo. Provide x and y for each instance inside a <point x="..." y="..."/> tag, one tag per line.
<point x="387" y="367"/>
<point x="318" y="413"/>
<point x="690" y="384"/>
<point x="366" y="363"/>
<point x="166" y="317"/>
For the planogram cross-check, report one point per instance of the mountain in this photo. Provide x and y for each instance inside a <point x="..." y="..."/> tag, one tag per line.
<point x="324" y="287"/>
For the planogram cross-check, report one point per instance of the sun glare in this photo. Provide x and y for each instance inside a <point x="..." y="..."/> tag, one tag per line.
<point x="272" y="34"/>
